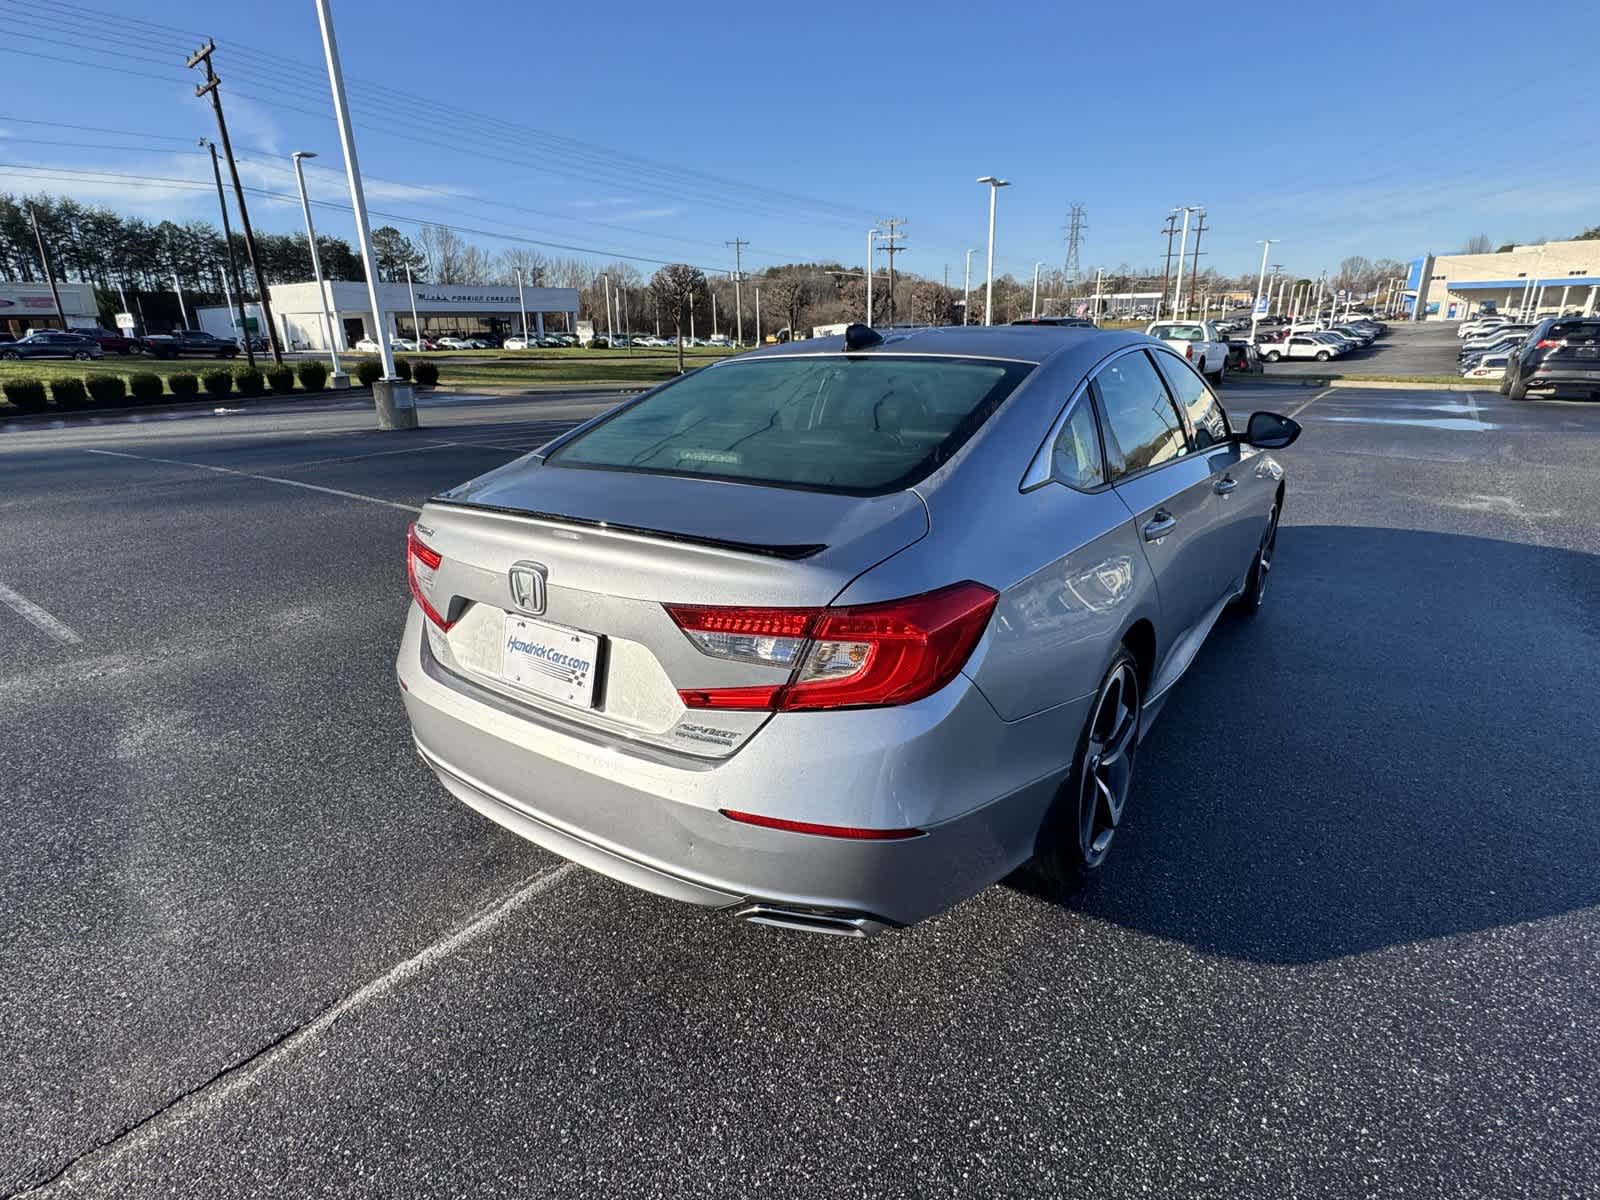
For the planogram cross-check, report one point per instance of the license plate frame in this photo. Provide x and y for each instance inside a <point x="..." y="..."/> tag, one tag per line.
<point x="551" y="661"/>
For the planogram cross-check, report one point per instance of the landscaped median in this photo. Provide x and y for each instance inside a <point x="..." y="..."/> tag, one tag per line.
<point x="1449" y="383"/>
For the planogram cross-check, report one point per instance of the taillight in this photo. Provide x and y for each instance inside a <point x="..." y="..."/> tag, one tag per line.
<point x="853" y="832"/>
<point x="422" y="561"/>
<point x="1549" y="343"/>
<point x="849" y="657"/>
<point x="1188" y="351"/>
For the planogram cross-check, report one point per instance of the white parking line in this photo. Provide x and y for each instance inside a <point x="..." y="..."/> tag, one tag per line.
<point x="295" y="483"/>
<point x="37" y="617"/>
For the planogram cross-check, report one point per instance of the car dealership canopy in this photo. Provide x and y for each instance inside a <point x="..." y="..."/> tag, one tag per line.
<point x="441" y="309"/>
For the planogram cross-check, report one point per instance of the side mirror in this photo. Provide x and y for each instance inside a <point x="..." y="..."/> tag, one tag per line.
<point x="1269" y="431"/>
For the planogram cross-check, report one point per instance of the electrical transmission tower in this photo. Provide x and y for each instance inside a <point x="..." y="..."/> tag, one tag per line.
<point x="1075" y="230"/>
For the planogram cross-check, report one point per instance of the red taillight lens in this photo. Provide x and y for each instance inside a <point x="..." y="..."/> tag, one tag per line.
<point x="837" y="831"/>
<point x="1188" y="351"/>
<point x="852" y="657"/>
<point x="1549" y="343"/>
<point x="421" y="563"/>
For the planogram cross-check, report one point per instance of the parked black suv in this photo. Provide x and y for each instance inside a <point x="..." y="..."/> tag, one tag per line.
<point x="190" y="341"/>
<point x="1561" y="355"/>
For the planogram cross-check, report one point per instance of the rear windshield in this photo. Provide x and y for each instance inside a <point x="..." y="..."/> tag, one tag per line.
<point x="1575" y="330"/>
<point x="856" y="425"/>
<point x="1180" y="333"/>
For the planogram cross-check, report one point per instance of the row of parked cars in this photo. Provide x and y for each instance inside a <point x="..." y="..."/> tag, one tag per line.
<point x="87" y="343"/>
<point x="1557" y="356"/>
<point x="1320" y="340"/>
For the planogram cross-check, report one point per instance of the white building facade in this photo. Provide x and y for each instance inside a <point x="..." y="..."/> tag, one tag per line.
<point x="442" y="310"/>
<point x="25" y="306"/>
<point x="1539" y="281"/>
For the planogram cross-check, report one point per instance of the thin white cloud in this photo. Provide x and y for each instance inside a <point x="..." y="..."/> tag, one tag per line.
<point x="646" y="214"/>
<point x="606" y="202"/>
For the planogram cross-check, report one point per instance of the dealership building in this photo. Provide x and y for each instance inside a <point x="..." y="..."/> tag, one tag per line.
<point x="25" y="306"/>
<point x="1549" y="279"/>
<point x="442" y="310"/>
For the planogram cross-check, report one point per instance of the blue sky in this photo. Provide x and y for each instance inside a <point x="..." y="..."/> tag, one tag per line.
<point x="660" y="132"/>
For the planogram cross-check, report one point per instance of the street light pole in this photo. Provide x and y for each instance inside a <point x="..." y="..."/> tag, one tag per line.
<point x="183" y="314"/>
<point x="758" y="316"/>
<point x="966" y="292"/>
<point x="522" y="309"/>
<point x="416" y="325"/>
<point x="1261" y="283"/>
<point x="393" y="398"/>
<point x="872" y="250"/>
<point x="988" y="294"/>
<point x="1035" y="310"/>
<point x="1183" y="246"/>
<point x="339" y="379"/>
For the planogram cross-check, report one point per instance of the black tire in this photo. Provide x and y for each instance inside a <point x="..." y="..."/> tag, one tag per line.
<point x="1272" y="356"/>
<point x="1076" y="835"/>
<point x="11" y="356"/>
<point x="1323" y="356"/>
<point x="1518" y="390"/>
<point x="1505" y="385"/>
<point x="1221" y="375"/>
<point x="1250" y="600"/>
<point x="83" y="356"/>
<point x="230" y="354"/>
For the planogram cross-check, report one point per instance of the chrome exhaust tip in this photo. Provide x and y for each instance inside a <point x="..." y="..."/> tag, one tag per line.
<point x="832" y="924"/>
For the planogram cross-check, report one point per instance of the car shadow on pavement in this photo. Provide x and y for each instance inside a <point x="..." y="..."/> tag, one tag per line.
<point x="1400" y="746"/>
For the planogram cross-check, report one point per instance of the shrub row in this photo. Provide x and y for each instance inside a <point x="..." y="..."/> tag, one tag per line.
<point x="144" y="387"/>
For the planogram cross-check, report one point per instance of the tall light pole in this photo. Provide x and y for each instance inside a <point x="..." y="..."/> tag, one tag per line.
<point x="183" y="314"/>
<point x="522" y="310"/>
<point x="393" y="398"/>
<point x="988" y="293"/>
<point x="872" y="250"/>
<point x="1183" y="246"/>
<point x="1099" y="276"/>
<point x="966" y="291"/>
<point x="1035" y="310"/>
<point x="339" y="379"/>
<point x="1261" y="285"/>
<point x="416" y="325"/>
<point x="758" y="316"/>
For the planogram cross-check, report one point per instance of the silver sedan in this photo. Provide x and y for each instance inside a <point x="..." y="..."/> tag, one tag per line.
<point x="836" y="634"/>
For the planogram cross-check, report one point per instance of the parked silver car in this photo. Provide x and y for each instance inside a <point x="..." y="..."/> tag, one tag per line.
<point x="835" y="634"/>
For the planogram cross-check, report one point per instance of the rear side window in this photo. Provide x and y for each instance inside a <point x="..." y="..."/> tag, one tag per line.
<point x="1075" y="457"/>
<point x="1195" y="398"/>
<point x="1575" y="331"/>
<point x="861" y="425"/>
<point x="1141" y="426"/>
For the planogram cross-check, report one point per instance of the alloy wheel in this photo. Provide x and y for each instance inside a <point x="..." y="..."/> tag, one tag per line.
<point x="1108" y="763"/>
<point x="1269" y="542"/>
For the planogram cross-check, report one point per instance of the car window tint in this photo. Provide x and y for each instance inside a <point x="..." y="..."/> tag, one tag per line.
<point x="1075" y="457"/>
<point x="1142" y="428"/>
<point x="1195" y="398"/>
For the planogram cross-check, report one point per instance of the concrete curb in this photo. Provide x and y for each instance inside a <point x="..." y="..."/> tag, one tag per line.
<point x="198" y="404"/>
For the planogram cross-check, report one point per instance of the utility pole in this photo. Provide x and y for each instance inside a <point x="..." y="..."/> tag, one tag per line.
<point x="1166" y="275"/>
<point x="738" y="301"/>
<point x="1075" y="227"/>
<point x="891" y="248"/>
<point x="233" y="262"/>
<point x="1194" y="272"/>
<point x="50" y="276"/>
<point x="202" y="57"/>
<point x="872" y="255"/>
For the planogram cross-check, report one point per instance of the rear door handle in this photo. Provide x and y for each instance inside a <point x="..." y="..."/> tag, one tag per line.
<point x="1160" y="525"/>
<point x="1224" y="485"/>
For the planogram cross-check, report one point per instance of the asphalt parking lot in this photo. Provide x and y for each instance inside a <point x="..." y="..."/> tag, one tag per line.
<point x="1428" y="348"/>
<point x="1345" y="946"/>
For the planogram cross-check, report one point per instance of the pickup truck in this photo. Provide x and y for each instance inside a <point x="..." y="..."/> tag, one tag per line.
<point x="1199" y="342"/>
<point x="190" y="341"/>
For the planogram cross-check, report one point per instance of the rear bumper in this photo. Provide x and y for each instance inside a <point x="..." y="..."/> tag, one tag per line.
<point x="1576" y="379"/>
<point x="947" y="766"/>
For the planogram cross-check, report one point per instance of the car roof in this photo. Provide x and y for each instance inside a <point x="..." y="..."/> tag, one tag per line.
<point x="1018" y="343"/>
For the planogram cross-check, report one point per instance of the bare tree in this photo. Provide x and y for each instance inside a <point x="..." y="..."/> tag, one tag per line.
<point x="789" y="294"/>
<point x="675" y="288"/>
<point x="931" y="303"/>
<point x="476" y="266"/>
<point x="530" y="262"/>
<point x="444" y="249"/>
<point x="1478" y="243"/>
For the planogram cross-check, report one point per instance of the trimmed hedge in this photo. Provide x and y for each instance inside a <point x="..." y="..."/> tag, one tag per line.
<point x="25" y="393"/>
<point x="183" y="384"/>
<point x="145" y="386"/>
<point x="402" y="368"/>
<point x="218" y="381"/>
<point x="69" y="393"/>
<point x="369" y="371"/>
<point x="313" y="375"/>
<point x="427" y="373"/>
<point x="280" y="378"/>
<point x="107" y="389"/>
<point x="247" y="381"/>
